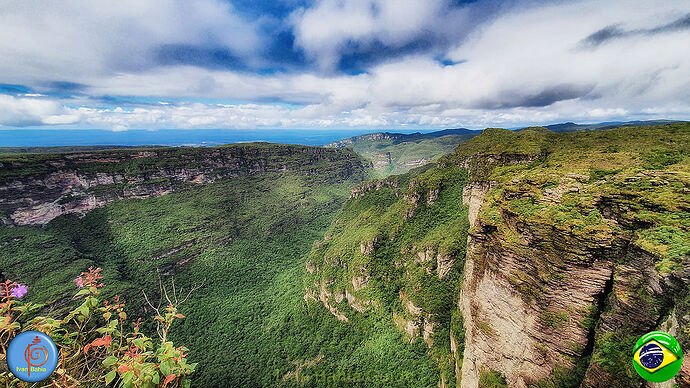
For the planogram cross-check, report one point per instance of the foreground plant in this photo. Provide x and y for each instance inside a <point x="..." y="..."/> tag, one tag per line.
<point x="97" y="344"/>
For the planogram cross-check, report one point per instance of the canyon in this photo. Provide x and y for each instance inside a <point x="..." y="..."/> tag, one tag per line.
<point x="35" y="190"/>
<point x="574" y="249"/>
<point x="523" y="258"/>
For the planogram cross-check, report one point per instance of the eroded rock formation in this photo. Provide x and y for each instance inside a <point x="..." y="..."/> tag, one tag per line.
<point x="37" y="189"/>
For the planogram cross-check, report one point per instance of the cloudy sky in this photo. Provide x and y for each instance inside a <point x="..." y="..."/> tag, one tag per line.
<point x="245" y="64"/>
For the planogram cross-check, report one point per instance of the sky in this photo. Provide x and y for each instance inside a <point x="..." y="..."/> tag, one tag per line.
<point x="338" y="64"/>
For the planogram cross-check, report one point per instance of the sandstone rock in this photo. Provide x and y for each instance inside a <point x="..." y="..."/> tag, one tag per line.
<point x="360" y="282"/>
<point x="410" y="327"/>
<point x="428" y="332"/>
<point x="67" y="187"/>
<point x="310" y="267"/>
<point x="357" y="304"/>
<point x="529" y="287"/>
<point x="432" y="196"/>
<point x="425" y="255"/>
<point x="444" y="264"/>
<point x="366" y="247"/>
<point x="473" y="196"/>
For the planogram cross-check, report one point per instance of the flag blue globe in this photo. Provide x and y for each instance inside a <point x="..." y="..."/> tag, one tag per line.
<point x="651" y="356"/>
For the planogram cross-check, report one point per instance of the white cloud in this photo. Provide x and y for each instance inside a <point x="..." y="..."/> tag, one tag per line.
<point x="324" y="29"/>
<point x="522" y="67"/>
<point x="81" y="40"/>
<point x="20" y="111"/>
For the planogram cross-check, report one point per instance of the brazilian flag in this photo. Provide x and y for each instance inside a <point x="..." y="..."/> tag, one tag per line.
<point x="657" y="357"/>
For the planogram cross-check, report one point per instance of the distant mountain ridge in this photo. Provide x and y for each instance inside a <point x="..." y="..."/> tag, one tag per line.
<point x="401" y="137"/>
<point x="396" y="153"/>
<point x="572" y="127"/>
<point x="559" y="127"/>
<point x="59" y="149"/>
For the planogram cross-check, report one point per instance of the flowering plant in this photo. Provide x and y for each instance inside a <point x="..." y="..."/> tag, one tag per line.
<point x="97" y="345"/>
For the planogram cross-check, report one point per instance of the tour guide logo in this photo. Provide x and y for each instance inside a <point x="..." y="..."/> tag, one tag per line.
<point x="32" y="356"/>
<point x="657" y="357"/>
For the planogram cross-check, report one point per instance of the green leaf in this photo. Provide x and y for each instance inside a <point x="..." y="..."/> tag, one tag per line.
<point x="155" y="378"/>
<point x="110" y="376"/>
<point x="83" y="291"/>
<point x="165" y="368"/>
<point x="127" y="377"/>
<point x="110" y="360"/>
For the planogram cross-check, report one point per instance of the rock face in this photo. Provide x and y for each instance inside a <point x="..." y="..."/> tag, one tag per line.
<point x="368" y="137"/>
<point x="577" y="246"/>
<point x="548" y="301"/>
<point x="523" y="332"/>
<point x="396" y="250"/>
<point x="36" y="189"/>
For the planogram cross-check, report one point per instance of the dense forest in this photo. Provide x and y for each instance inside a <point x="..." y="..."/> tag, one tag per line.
<point x="312" y="273"/>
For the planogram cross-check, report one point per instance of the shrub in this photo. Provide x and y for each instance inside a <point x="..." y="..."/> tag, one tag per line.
<point x="492" y="379"/>
<point x="97" y="345"/>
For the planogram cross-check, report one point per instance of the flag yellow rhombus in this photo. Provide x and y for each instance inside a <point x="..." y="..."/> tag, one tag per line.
<point x="669" y="357"/>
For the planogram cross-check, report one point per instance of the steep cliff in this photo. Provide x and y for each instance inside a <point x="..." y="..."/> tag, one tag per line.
<point x="35" y="188"/>
<point x="577" y="245"/>
<point x="394" y="256"/>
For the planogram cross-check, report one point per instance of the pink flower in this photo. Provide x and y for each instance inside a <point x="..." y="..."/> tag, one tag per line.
<point x="19" y="291"/>
<point x="79" y="281"/>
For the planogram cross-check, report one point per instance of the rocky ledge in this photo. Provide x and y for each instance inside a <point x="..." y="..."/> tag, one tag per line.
<point x="36" y="188"/>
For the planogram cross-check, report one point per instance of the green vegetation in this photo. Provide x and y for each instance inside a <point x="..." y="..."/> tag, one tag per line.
<point x="131" y="162"/>
<point x="562" y="377"/>
<point x="394" y="153"/>
<point x="492" y="379"/>
<point x="388" y="262"/>
<point x="54" y="149"/>
<point x="406" y="236"/>
<point x="565" y="180"/>
<point x="244" y="239"/>
<point x="94" y="351"/>
<point x="554" y="319"/>
<point x="570" y="192"/>
<point x="613" y="356"/>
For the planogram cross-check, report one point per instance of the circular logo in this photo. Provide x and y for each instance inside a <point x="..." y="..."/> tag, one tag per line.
<point x="657" y="357"/>
<point x="32" y="356"/>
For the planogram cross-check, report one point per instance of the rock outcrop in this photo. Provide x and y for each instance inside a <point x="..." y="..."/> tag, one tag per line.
<point x="395" y="250"/>
<point x="36" y="189"/>
<point x="560" y="277"/>
<point x="577" y="246"/>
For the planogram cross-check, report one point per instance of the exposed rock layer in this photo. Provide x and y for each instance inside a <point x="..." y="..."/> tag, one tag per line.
<point x="37" y="189"/>
<point x="533" y="292"/>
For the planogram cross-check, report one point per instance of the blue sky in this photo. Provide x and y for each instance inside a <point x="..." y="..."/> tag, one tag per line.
<point x="327" y="64"/>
